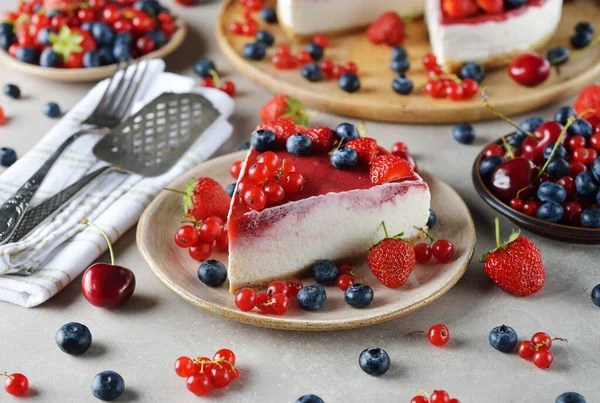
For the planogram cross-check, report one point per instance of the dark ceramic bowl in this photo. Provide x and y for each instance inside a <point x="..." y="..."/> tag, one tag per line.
<point x="557" y="231"/>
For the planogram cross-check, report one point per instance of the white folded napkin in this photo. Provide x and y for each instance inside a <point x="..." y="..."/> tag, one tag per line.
<point x="47" y="259"/>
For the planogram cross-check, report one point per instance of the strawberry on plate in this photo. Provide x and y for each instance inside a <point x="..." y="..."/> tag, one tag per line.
<point x="205" y="198"/>
<point x="365" y="147"/>
<point x="588" y="100"/>
<point x="322" y="138"/>
<point x="392" y="260"/>
<point x="515" y="265"/>
<point x="283" y="106"/>
<point x="389" y="168"/>
<point x="387" y="29"/>
<point x="459" y="8"/>
<point x="283" y="128"/>
<point x="491" y="6"/>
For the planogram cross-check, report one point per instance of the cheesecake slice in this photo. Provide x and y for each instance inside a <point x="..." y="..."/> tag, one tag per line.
<point x="337" y="215"/>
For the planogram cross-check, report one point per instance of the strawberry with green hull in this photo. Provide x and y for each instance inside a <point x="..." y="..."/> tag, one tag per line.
<point x="283" y="106"/>
<point x="392" y="260"/>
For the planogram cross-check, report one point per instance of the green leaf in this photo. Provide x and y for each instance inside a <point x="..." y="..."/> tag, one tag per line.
<point x="189" y="192"/>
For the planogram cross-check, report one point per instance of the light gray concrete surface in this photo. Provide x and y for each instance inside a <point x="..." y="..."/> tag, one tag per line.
<point x="142" y="339"/>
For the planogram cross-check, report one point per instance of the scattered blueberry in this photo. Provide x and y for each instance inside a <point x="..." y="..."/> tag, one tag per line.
<point x="265" y="37"/>
<point x="503" y="338"/>
<point x="49" y="58"/>
<point x="299" y="145"/>
<point x="432" y="220"/>
<point x="596" y="168"/>
<point x="580" y="127"/>
<point x="6" y="40"/>
<point x="12" y="91"/>
<point x="230" y="189"/>
<point x="551" y="192"/>
<point x="309" y="398"/>
<point x="212" y="273"/>
<point x="262" y="140"/>
<point x="560" y="152"/>
<point x="311" y="297"/>
<point x="586" y="184"/>
<point x="563" y="115"/>
<point x="570" y="397"/>
<point x="590" y="218"/>
<point x="106" y="56"/>
<point x="51" y="109"/>
<point x="489" y="165"/>
<point x="472" y="70"/>
<point x="464" y="133"/>
<point x="550" y="211"/>
<point x="202" y="67"/>
<point x="108" y="385"/>
<point x="103" y="34"/>
<point x="316" y="51"/>
<point x="6" y="28"/>
<point x="27" y="55"/>
<point x="584" y="27"/>
<point x="43" y="36"/>
<point x="74" y="338"/>
<point x="121" y="51"/>
<point x="558" y="167"/>
<point x="159" y="37"/>
<point x="400" y="66"/>
<point x="402" y="86"/>
<point x="558" y="55"/>
<point x="325" y="272"/>
<point x="510" y="4"/>
<point x="349" y="82"/>
<point x="596" y="295"/>
<point x="8" y="156"/>
<point x="312" y="72"/>
<point x="244" y="146"/>
<point x="581" y="39"/>
<point x="91" y="59"/>
<point x="358" y="295"/>
<point x="374" y="361"/>
<point x="399" y="52"/>
<point x="347" y="132"/>
<point x="344" y="158"/>
<point x="254" y="51"/>
<point x="531" y="124"/>
<point x="268" y="14"/>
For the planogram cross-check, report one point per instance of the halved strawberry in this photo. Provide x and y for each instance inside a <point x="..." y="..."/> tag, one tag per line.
<point x="387" y="29"/>
<point x="588" y="100"/>
<point x="283" y="128"/>
<point x="491" y="6"/>
<point x="459" y="8"/>
<point x="389" y="168"/>
<point x="322" y="138"/>
<point x="365" y="147"/>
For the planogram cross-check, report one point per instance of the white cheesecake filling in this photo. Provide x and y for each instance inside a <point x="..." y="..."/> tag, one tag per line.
<point x="486" y="40"/>
<point x="306" y="17"/>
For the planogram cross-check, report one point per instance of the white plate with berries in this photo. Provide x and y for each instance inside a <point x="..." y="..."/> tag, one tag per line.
<point x="176" y="268"/>
<point x="63" y="41"/>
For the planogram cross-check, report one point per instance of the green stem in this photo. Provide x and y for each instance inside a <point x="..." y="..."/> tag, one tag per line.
<point x="387" y="235"/>
<point x="559" y="59"/>
<point x="558" y="141"/>
<point x="110" y="248"/>
<point x="501" y="116"/>
<point x="509" y="149"/>
<point x="497" y="226"/>
<point x="181" y="192"/>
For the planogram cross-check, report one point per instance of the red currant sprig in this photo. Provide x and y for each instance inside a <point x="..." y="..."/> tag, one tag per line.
<point x="441" y="250"/>
<point x="202" y="373"/>
<point x="276" y="300"/>
<point x="438" y="335"/>
<point x="442" y="85"/>
<point x="538" y="349"/>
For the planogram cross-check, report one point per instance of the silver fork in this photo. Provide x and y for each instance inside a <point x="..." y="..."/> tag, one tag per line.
<point x="110" y="111"/>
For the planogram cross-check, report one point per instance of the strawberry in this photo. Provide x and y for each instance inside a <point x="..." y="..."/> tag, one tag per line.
<point x="382" y="151"/>
<point x="387" y="29"/>
<point x="459" y="8"/>
<point x="392" y="260"/>
<point x="588" y="100"/>
<point x="58" y="4"/>
<point x="204" y="198"/>
<point x="365" y="147"/>
<point x="515" y="265"/>
<point x="322" y="138"/>
<point x="491" y="6"/>
<point x="389" y="168"/>
<point x="282" y="106"/>
<point x="283" y="128"/>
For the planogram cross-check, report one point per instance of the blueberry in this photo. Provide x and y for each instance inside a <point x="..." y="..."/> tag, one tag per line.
<point x="103" y="34"/>
<point x="254" y="51"/>
<point x="325" y="272"/>
<point x="472" y="70"/>
<point x="202" y="67"/>
<point x="570" y="397"/>
<point x="580" y="127"/>
<point x="262" y="140"/>
<point x="489" y="165"/>
<point x="432" y="220"/>
<point x="550" y="211"/>
<point x="6" y="40"/>
<point x="268" y="14"/>
<point x="399" y="52"/>
<point x="312" y="297"/>
<point x="581" y="39"/>
<point x="551" y="192"/>
<point x="8" y="156"/>
<point x="27" y="55"/>
<point x="560" y="152"/>
<point x="402" y="86"/>
<point x="106" y="56"/>
<point x="530" y="125"/>
<point x="309" y="398"/>
<point x="400" y="66"/>
<point x="347" y="132"/>
<point x="299" y="145"/>
<point x="87" y="26"/>
<point x="159" y="37"/>
<point x="212" y="273"/>
<point x="596" y="295"/>
<point x="349" y="82"/>
<point x="121" y="51"/>
<point x="344" y="158"/>
<point x="49" y="58"/>
<point x="464" y="133"/>
<point x="316" y="51"/>
<point x="503" y="338"/>
<point x="584" y="27"/>
<point x="558" y="55"/>
<point x="265" y="37"/>
<point x="244" y="146"/>
<point x="74" y="338"/>
<point x="590" y="218"/>
<point x="150" y="7"/>
<point x="563" y="114"/>
<point x="230" y="189"/>
<point x="51" y="109"/>
<point x="312" y="72"/>
<point x="43" y="36"/>
<point x="91" y="59"/>
<point x="374" y="361"/>
<point x="6" y="28"/>
<point x="124" y="37"/>
<point x="586" y="184"/>
<point x="514" y="3"/>
<point x="358" y="295"/>
<point x="558" y="167"/>
<point x="516" y="140"/>
<point x="108" y="385"/>
<point x="596" y="168"/>
<point x="12" y="91"/>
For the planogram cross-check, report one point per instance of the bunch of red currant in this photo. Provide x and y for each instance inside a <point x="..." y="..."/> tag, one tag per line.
<point x="275" y="300"/>
<point x="442" y="85"/>
<point x="249" y="27"/>
<point x="438" y="396"/>
<point x="202" y="237"/>
<point x="538" y="349"/>
<point x="266" y="181"/>
<point x="442" y="250"/>
<point x="202" y="374"/>
<point x="15" y="384"/>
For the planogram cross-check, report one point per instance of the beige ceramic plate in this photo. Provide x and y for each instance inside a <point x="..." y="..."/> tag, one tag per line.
<point x="91" y="74"/>
<point x="173" y="266"/>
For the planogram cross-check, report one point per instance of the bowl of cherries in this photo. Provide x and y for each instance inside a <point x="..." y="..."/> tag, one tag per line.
<point x="545" y="176"/>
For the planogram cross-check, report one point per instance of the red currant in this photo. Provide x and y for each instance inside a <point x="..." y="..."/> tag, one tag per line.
<point x="573" y="212"/>
<point x="419" y="399"/>
<point x="344" y="281"/>
<point x="235" y="169"/>
<point x="244" y="185"/>
<point x="245" y="299"/>
<point x="293" y="286"/>
<point x="199" y="384"/>
<point x="262" y="302"/>
<point x="283" y="62"/>
<point x="185" y="366"/>
<point x="526" y="350"/>
<point x="294" y="182"/>
<point x="270" y="160"/>
<point x="438" y="335"/>
<point x="531" y="207"/>
<point x="422" y="253"/>
<point x="470" y="87"/>
<point x="200" y="251"/>
<point x="84" y="15"/>
<point x="429" y="61"/>
<point x="208" y="82"/>
<point x="595" y="139"/>
<point x="145" y="45"/>
<point x="210" y="231"/>
<point x="345" y="268"/>
<point x="255" y="199"/>
<point x="283" y="50"/>
<point x="576" y="168"/>
<point x="399" y="147"/>
<point x="222" y="242"/>
<point x="16" y="384"/>
<point x="142" y="23"/>
<point x="454" y="400"/>
<point x="439" y="396"/>
<point x="581" y="154"/>
<point x="517" y="203"/>
<point x="220" y="376"/>
<point x="327" y="68"/>
<point x="236" y="28"/>
<point x="541" y="341"/>
<point x="543" y="359"/>
<point x="442" y="251"/>
<point x="277" y="287"/>
<point x="288" y="168"/>
<point x="225" y="354"/>
<point x="494" y="149"/>
<point x="110" y="13"/>
<point x="455" y="92"/>
<point x="576" y="142"/>
<point x="321" y="40"/>
<point x="123" y="25"/>
<point x="436" y="89"/>
<point x="337" y="71"/>
<point x="186" y="236"/>
<point x="274" y="193"/>
<point x="228" y="87"/>
<point x="350" y="67"/>
<point x="258" y="172"/>
<point x="303" y="57"/>
<point x="279" y="304"/>
<point x="592" y="155"/>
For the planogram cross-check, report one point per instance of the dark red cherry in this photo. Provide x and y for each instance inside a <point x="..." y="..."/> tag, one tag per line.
<point x="529" y="69"/>
<point x="106" y="285"/>
<point x="546" y="133"/>
<point x="408" y="156"/>
<point x="512" y="176"/>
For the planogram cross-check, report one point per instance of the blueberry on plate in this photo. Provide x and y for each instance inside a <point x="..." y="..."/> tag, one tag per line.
<point x="269" y="15"/>
<point x="584" y="26"/>
<point x="344" y="158"/>
<point x="8" y="156"/>
<point x="570" y="397"/>
<point x="124" y="37"/>
<point x="464" y="133"/>
<point x="51" y="109"/>
<point x="312" y="72"/>
<point x="6" y="40"/>
<point x="254" y="51"/>
<point x="202" y="67"/>
<point x="560" y="152"/>
<point x="244" y="146"/>
<point x="159" y="37"/>
<point x="581" y="39"/>
<point x="230" y="189"/>
<point x="12" y="91"/>
<point x="473" y="71"/>
<point x="91" y="59"/>
<point x="563" y="115"/>
<point x="580" y="127"/>
<point x="558" y="167"/>
<point x="530" y="124"/>
<point x="399" y="52"/>
<point x="262" y="140"/>
<point x="432" y="220"/>
<point x="586" y="184"/>
<point x="400" y="66"/>
<point x="49" y="58"/>
<point x="74" y="338"/>
<point x="212" y="273"/>
<point x="551" y="192"/>
<point x="312" y="297"/>
<point x="349" y="82"/>
<point x="358" y="295"/>
<point x="374" y="361"/>
<point x="347" y="132"/>
<point x="510" y="4"/>
<point x="27" y="55"/>
<point x="121" y="51"/>
<point x="590" y="218"/>
<point x="550" y="211"/>
<point x="596" y="168"/>
<point x="103" y="34"/>
<point x="325" y="272"/>
<point x="6" y="28"/>
<point x="108" y="385"/>
<point x="402" y="85"/>
<point x="596" y="295"/>
<point x="265" y="37"/>
<point x="559" y="55"/>
<point x="43" y="36"/>
<point x="106" y="56"/>
<point x="489" y="165"/>
<point x="309" y="398"/>
<point x="316" y="51"/>
<point x="503" y="338"/>
<point x="298" y="145"/>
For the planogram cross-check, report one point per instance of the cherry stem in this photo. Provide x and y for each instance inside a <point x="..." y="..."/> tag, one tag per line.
<point x="362" y="129"/>
<point x="7" y="375"/>
<point x="558" y="141"/>
<point x="181" y="192"/>
<point x="501" y="116"/>
<point x="215" y="77"/>
<point x="110" y="248"/>
<point x="420" y="332"/>
<point x="559" y="59"/>
<point x="497" y="229"/>
<point x="509" y="149"/>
